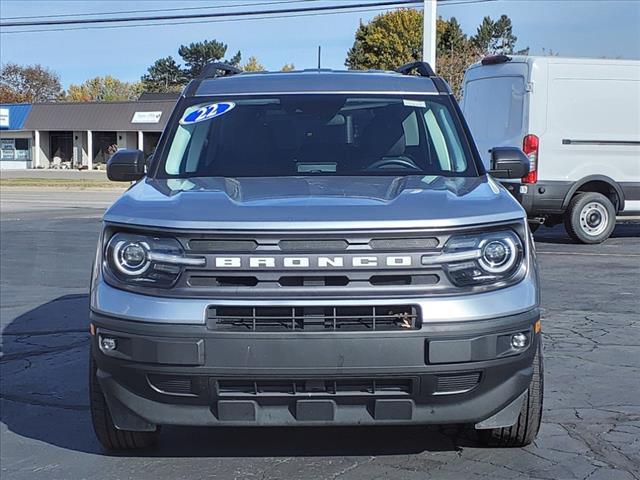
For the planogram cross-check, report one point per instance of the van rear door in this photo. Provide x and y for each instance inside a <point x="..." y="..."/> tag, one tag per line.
<point x="495" y="105"/>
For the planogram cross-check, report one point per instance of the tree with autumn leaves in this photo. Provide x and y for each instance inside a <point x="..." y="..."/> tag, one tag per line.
<point x="104" y="89"/>
<point x="394" y="38"/>
<point x="28" y="84"/>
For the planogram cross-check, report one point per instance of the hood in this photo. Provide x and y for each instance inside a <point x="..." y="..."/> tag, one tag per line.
<point x="288" y="203"/>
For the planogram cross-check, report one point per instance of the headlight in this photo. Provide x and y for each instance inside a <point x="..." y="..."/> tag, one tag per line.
<point x="130" y="257"/>
<point x="485" y="258"/>
<point x="142" y="259"/>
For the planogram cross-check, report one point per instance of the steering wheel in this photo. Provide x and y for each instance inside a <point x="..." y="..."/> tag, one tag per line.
<point x="400" y="162"/>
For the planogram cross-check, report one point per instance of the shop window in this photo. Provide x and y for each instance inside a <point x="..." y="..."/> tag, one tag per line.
<point x="22" y="144"/>
<point x="15" y="149"/>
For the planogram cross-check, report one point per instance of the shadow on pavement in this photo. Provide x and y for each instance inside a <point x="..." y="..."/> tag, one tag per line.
<point x="45" y="397"/>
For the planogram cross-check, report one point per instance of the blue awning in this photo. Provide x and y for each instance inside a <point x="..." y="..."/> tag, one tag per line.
<point x="17" y="113"/>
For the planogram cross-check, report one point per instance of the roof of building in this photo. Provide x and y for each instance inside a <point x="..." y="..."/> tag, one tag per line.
<point x="18" y="113"/>
<point x="100" y="116"/>
<point x="317" y="81"/>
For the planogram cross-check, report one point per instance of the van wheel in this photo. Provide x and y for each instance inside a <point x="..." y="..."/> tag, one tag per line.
<point x="526" y="428"/>
<point x="590" y="218"/>
<point x="109" y="436"/>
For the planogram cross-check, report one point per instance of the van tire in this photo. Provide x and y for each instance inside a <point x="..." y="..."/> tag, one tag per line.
<point x="525" y="430"/>
<point x="109" y="436"/>
<point x="584" y="229"/>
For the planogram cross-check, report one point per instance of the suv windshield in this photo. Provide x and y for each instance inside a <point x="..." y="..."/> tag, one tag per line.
<point x="294" y="135"/>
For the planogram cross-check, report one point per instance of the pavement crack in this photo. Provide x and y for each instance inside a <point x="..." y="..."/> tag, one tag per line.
<point x="43" y="332"/>
<point x="603" y="451"/>
<point x="277" y="463"/>
<point x="352" y="467"/>
<point x="43" y="403"/>
<point x="8" y="357"/>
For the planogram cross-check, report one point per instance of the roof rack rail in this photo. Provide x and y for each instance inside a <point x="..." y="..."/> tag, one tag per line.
<point x="210" y="70"/>
<point x="423" y="69"/>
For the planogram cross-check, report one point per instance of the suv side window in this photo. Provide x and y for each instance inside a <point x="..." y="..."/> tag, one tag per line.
<point x="449" y="151"/>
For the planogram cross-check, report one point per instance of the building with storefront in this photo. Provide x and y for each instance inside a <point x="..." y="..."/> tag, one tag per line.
<point x="16" y="144"/>
<point x="80" y="135"/>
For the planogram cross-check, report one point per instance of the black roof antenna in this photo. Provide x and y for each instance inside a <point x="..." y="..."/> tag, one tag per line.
<point x="319" y="55"/>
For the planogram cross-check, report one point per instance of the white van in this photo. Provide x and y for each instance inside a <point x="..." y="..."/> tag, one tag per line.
<point x="578" y="121"/>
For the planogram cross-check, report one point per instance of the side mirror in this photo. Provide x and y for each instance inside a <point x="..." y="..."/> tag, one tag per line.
<point x="126" y="166"/>
<point x="508" y="162"/>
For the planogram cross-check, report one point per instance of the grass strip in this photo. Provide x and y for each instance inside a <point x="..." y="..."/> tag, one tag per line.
<point x="60" y="183"/>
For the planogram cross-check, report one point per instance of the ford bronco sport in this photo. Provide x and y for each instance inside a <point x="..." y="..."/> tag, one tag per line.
<point x="315" y="248"/>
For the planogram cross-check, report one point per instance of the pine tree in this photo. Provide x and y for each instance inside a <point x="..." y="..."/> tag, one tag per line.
<point x="504" y="40"/>
<point x="484" y="35"/>
<point x="165" y="75"/>
<point x="253" y="65"/>
<point x="452" y="37"/>
<point x="197" y="54"/>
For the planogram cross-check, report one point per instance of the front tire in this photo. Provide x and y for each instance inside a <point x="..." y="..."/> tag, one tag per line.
<point x="109" y="436"/>
<point x="525" y="430"/>
<point x="590" y="218"/>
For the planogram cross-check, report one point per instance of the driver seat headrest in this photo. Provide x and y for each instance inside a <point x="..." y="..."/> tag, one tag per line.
<point x="384" y="136"/>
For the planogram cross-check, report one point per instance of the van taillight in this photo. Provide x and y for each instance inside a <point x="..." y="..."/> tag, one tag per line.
<point x="530" y="148"/>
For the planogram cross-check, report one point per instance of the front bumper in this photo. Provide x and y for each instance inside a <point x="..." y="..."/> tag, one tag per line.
<point x="445" y="372"/>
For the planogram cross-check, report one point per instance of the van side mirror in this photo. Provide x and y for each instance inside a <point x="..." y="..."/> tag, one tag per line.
<point x="508" y="162"/>
<point x="126" y="166"/>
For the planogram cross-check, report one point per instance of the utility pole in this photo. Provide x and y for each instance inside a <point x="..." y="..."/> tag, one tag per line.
<point x="429" y="33"/>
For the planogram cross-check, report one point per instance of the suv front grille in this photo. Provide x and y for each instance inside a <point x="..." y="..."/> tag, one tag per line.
<point x="310" y="281"/>
<point x="343" y="319"/>
<point x="256" y="266"/>
<point x="171" y="384"/>
<point x="458" y="383"/>
<point x="345" y="387"/>
<point x="314" y="264"/>
<point x="323" y="245"/>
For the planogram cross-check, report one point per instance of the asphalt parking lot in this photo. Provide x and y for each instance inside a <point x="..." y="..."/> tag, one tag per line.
<point x="591" y="429"/>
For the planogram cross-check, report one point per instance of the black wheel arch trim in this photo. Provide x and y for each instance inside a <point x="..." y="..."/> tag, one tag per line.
<point x="595" y="178"/>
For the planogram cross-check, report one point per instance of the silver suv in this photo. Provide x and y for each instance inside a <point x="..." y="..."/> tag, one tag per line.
<point x="315" y="248"/>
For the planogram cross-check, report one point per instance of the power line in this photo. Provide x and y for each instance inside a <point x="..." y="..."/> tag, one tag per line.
<point x="208" y="15"/>
<point x="158" y="10"/>
<point x="266" y="17"/>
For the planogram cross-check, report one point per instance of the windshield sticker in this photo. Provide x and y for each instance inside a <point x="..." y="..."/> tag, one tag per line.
<point x="414" y="103"/>
<point x="207" y="112"/>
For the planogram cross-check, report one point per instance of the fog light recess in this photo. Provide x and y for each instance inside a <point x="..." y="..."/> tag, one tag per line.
<point x="108" y="344"/>
<point x="519" y="341"/>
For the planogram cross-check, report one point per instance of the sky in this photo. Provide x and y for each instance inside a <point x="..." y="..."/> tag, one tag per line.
<point x="572" y="28"/>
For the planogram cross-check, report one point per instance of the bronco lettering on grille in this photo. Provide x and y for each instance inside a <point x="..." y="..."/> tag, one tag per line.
<point x="314" y="262"/>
